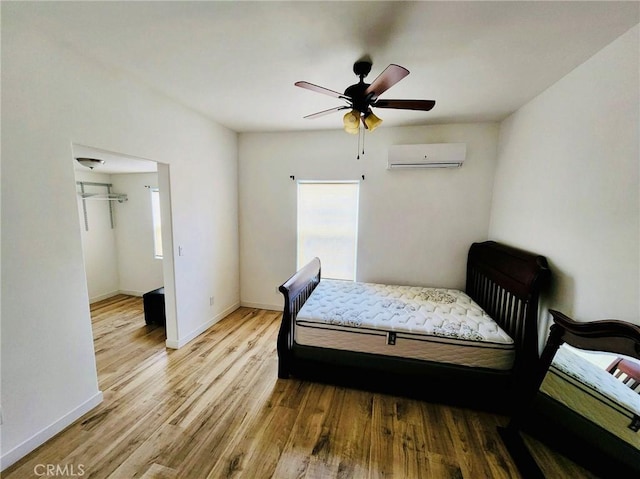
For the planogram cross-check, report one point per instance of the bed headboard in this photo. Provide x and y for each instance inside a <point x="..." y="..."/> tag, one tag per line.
<point x="506" y="282"/>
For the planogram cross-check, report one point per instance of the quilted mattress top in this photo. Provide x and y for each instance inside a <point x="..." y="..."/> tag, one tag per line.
<point x="446" y="313"/>
<point x="595" y="378"/>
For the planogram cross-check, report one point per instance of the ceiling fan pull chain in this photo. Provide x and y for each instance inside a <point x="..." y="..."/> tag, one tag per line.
<point x="363" y="133"/>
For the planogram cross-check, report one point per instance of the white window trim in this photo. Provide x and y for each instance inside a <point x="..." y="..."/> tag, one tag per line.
<point x="154" y="190"/>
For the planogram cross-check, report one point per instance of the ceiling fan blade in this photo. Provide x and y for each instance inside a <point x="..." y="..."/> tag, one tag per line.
<point x="423" y="105"/>
<point x="320" y="89"/>
<point x="326" y="112"/>
<point x="389" y="77"/>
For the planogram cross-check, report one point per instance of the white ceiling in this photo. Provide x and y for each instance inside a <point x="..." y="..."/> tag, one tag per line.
<point x="237" y="62"/>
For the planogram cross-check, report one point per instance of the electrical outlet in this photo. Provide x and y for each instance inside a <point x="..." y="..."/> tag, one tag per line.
<point x="210" y="300"/>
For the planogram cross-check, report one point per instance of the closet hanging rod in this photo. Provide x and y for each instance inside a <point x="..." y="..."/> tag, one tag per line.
<point x="120" y="197"/>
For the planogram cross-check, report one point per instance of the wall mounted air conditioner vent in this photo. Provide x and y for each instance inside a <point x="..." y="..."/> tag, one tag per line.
<point x="434" y="155"/>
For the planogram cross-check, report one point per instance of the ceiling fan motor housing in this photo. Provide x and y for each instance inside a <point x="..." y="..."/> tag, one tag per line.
<point x="360" y="100"/>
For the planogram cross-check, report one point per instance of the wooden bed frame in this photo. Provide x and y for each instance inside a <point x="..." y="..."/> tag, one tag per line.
<point x="506" y="282"/>
<point x="566" y="431"/>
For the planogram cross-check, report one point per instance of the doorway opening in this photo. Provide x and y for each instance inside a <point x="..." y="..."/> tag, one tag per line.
<point x="124" y="215"/>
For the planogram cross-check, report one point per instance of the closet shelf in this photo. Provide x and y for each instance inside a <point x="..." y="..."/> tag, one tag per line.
<point x="108" y="196"/>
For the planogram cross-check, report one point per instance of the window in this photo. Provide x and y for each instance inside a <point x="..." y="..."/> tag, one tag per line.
<point x="157" y="225"/>
<point x="328" y="226"/>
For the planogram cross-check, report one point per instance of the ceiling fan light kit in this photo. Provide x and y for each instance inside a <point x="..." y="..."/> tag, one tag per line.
<point x="351" y="121"/>
<point x="371" y="121"/>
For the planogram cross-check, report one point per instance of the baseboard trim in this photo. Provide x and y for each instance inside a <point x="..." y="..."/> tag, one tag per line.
<point x="21" y="450"/>
<point x="101" y="297"/>
<point x="129" y="292"/>
<point x="270" y="307"/>
<point x="104" y="296"/>
<point x="173" y="344"/>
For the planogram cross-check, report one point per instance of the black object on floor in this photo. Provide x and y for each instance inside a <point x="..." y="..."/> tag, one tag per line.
<point x="153" y="302"/>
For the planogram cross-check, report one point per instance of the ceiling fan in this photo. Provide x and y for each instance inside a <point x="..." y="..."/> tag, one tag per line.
<point x="361" y="96"/>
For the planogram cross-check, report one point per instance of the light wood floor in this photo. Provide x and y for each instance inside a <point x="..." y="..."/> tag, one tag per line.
<point x="216" y="409"/>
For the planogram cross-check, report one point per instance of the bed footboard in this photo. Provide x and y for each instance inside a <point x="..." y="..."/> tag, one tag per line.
<point x="296" y="290"/>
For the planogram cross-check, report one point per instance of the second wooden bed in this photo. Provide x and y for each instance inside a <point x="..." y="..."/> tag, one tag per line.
<point x="503" y="285"/>
<point x="576" y="408"/>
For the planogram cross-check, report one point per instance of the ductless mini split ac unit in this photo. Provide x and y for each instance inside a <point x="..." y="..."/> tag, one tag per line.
<point x="434" y="155"/>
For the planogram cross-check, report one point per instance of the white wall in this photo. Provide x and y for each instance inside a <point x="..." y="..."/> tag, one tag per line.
<point x="138" y="269"/>
<point x="415" y="226"/>
<point x="567" y="184"/>
<point x="99" y="241"/>
<point x="52" y="98"/>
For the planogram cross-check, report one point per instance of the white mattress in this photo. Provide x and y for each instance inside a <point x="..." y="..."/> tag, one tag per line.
<point x="433" y="324"/>
<point x="594" y="393"/>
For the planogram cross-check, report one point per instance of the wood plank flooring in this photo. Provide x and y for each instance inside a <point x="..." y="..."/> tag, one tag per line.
<point x="216" y="409"/>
